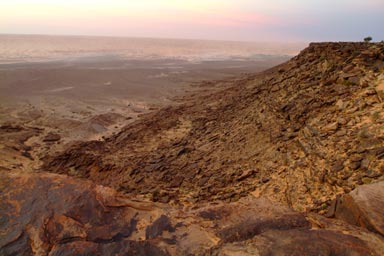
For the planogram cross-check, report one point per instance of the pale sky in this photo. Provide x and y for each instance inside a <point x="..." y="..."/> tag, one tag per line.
<point x="239" y="20"/>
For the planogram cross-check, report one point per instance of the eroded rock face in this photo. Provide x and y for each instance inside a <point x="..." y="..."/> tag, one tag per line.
<point x="364" y="207"/>
<point x="49" y="214"/>
<point x="298" y="242"/>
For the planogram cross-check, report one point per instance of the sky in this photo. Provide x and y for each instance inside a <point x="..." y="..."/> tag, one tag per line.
<point x="238" y="20"/>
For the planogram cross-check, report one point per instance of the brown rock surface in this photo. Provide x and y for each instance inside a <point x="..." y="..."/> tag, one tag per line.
<point x="364" y="207"/>
<point x="48" y="214"/>
<point x="15" y="153"/>
<point x="45" y="214"/>
<point x="52" y="137"/>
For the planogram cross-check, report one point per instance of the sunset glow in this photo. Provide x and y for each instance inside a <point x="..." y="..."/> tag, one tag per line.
<point x="211" y="19"/>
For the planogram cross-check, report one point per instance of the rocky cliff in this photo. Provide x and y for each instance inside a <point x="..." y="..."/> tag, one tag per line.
<point x="285" y="162"/>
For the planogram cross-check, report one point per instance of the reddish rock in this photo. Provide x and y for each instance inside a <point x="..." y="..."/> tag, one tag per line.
<point x="298" y="242"/>
<point x="48" y="214"/>
<point x="51" y="214"/>
<point x="364" y="207"/>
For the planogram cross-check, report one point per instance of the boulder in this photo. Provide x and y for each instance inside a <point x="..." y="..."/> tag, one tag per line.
<point x="46" y="214"/>
<point x="364" y="207"/>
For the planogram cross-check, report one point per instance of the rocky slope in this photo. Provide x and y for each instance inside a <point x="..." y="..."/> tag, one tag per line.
<point x="244" y="170"/>
<point x="299" y="134"/>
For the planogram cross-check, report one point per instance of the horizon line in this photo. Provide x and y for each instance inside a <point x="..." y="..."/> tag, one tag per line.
<point x="161" y="38"/>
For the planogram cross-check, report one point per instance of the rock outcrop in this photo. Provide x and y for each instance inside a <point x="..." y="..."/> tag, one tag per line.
<point x="45" y="214"/>
<point x="364" y="207"/>
<point x="49" y="214"/>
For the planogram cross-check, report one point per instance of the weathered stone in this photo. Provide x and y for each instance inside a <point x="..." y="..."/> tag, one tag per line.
<point x="156" y="229"/>
<point x="298" y="242"/>
<point x="176" y="182"/>
<point x="250" y="228"/>
<point x="52" y="137"/>
<point x="41" y="211"/>
<point x="355" y="165"/>
<point x="265" y="179"/>
<point x="337" y="166"/>
<point x="331" y="128"/>
<point x="364" y="207"/>
<point x="203" y="181"/>
<point x="356" y="158"/>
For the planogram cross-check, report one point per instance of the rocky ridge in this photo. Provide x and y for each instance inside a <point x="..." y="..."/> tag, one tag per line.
<point x="299" y="134"/>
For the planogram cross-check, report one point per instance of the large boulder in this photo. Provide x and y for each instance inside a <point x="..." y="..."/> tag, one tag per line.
<point x="364" y="207"/>
<point x="45" y="214"/>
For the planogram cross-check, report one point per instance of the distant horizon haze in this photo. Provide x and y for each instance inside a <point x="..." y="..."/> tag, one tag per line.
<point x="242" y="20"/>
<point x="32" y="48"/>
<point x="161" y="38"/>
